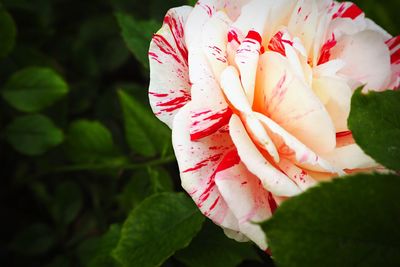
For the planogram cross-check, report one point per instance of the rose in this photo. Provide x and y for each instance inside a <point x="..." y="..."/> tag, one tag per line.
<point x="257" y="93"/>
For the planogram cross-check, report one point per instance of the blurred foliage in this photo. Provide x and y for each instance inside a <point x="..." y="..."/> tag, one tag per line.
<point x="79" y="145"/>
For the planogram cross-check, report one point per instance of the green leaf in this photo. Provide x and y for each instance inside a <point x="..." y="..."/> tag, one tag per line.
<point x="143" y="184"/>
<point x="375" y="122"/>
<point x="145" y="134"/>
<point x="33" y="134"/>
<point x="66" y="203"/>
<point x="89" y="141"/>
<point x="137" y="35"/>
<point x="8" y="33"/>
<point x="96" y="252"/>
<point x="34" y="88"/>
<point x="159" y="226"/>
<point x="211" y="248"/>
<point x="35" y="239"/>
<point x="191" y="2"/>
<point x="351" y="221"/>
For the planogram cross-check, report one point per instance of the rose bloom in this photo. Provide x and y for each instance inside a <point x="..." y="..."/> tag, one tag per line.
<point x="257" y="93"/>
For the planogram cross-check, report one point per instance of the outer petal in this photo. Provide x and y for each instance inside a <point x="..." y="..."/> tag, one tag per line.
<point x="394" y="47"/>
<point x="214" y="38"/>
<point x="198" y="163"/>
<point x="291" y="103"/>
<point x="169" y="88"/>
<point x="247" y="199"/>
<point x="209" y="110"/>
<point x="272" y="179"/>
<point x="367" y="59"/>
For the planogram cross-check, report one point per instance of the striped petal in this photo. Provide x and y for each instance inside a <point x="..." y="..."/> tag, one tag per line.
<point x="246" y="197"/>
<point x="272" y="179"/>
<point x="169" y="88"/>
<point x="367" y="59"/>
<point x="198" y="164"/>
<point x="394" y="47"/>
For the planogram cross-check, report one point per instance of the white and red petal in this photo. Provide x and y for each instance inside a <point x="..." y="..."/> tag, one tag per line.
<point x="198" y="163"/>
<point x="246" y="59"/>
<point x="350" y="157"/>
<point x="290" y="102"/>
<point x="394" y="47"/>
<point x="335" y="94"/>
<point x="205" y="122"/>
<point x="215" y="42"/>
<point x="246" y="197"/>
<point x="298" y="175"/>
<point x="209" y="110"/>
<point x="169" y="88"/>
<point x="303" y="22"/>
<point x="367" y="59"/>
<point x="291" y="148"/>
<point x="347" y="10"/>
<point x="272" y="179"/>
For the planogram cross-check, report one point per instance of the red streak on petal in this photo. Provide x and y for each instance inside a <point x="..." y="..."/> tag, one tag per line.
<point x="232" y="36"/>
<point x="352" y="12"/>
<point x="203" y="163"/>
<point x="158" y="95"/>
<point x="178" y="34"/>
<point x="343" y="134"/>
<point x="395" y="57"/>
<point x="254" y="36"/>
<point x="166" y="47"/>
<point x="229" y="160"/>
<point x="214" y="204"/>
<point x="221" y="119"/>
<point x="272" y="203"/>
<point x="326" y="50"/>
<point x="393" y="42"/>
<point x="175" y="103"/>
<point x="277" y="43"/>
<point x="154" y="56"/>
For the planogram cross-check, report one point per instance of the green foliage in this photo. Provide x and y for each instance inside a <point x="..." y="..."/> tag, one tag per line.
<point x="35" y="239"/>
<point x="347" y="222"/>
<point x="66" y="203"/>
<point x="33" y="134"/>
<point x="34" y="88"/>
<point x="159" y="226"/>
<point x="211" y="248"/>
<point x="90" y="141"/>
<point x="374" y="121"/>
<point x="137" y="35"/>
<point x="96" y="252"/>
<point x="143" y="184"/>
<point x="7" y="33"/>
<point x="146" y="134"/>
